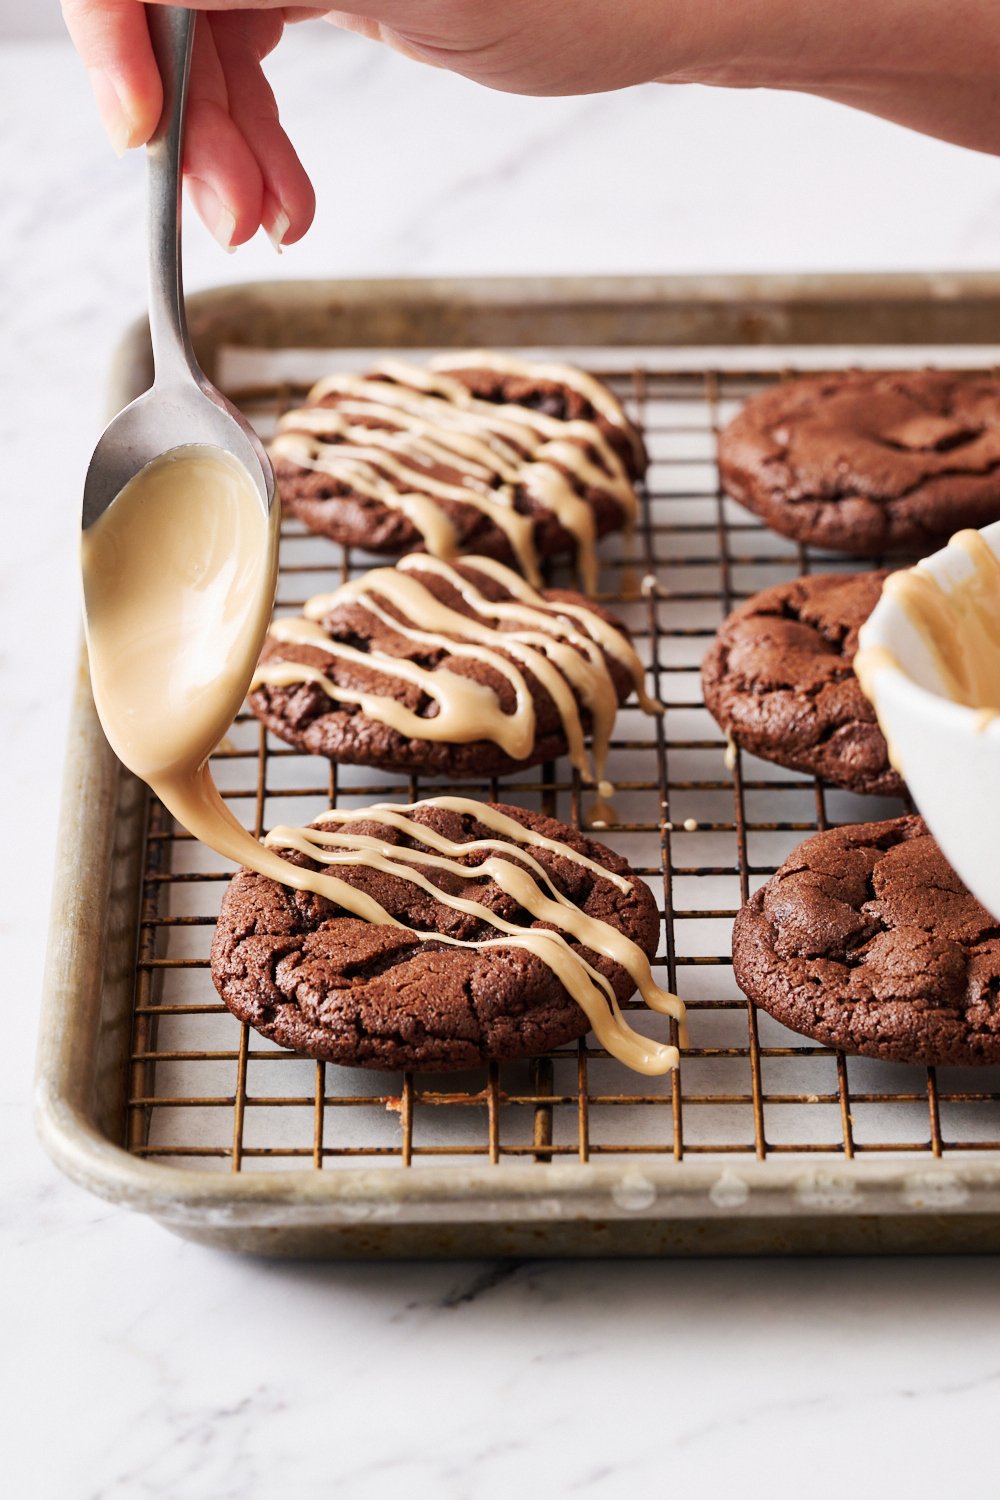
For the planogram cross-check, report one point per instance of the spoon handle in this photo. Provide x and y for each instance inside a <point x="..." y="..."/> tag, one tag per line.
<point x="171" y="31"/>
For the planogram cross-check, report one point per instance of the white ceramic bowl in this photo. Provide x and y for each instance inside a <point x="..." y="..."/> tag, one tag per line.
<point x="951" y="763"/>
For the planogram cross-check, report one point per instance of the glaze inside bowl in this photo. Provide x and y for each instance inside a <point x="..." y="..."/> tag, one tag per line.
<point x="929" y="660"/>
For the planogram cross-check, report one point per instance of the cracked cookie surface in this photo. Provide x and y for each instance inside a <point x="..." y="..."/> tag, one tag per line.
<point x="779" y="680"/>
<point x="303" y="714"/>
<point x="868" y="463"/>
<point x="866" y="939"/>
<point x="330" y="461"/>
<point x="331" y="986"/>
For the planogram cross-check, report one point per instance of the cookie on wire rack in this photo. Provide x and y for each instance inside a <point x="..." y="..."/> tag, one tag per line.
<point x="779" y="679"/>
<point x="453" y="670"/>
<point x="868" y="462"/>
<point x="492" y="933"/>
<point x="476" y="452"/>
<point x="866" y="940"/>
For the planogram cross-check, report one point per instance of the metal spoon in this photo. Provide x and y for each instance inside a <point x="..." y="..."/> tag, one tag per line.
<point x="183" y="407"/>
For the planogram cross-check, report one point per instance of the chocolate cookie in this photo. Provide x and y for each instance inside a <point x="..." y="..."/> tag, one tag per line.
<point x="477" y="453"/>
<point x="868" y="463"/>
<point x="867" y="940"/>
<point x="317" y="979"/>
<point x="454" y="670"/>
<point x="779" y="680"/>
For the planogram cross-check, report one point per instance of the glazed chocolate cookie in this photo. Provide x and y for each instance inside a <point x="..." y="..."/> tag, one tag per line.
<point x="454" y="670"/>
<point x="779" y="680"/>
<point x="315" y="978"/>
<point x="476" y="453"/>
<point x="868" y="463"/>
<point x="867" y="940"/>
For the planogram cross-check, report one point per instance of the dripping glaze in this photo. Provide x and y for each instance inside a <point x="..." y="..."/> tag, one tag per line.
<point x="426" y="419"/>
<point x="565" y="646"/>
<point x="179" y="577"/>
<point x="508" y="863"/>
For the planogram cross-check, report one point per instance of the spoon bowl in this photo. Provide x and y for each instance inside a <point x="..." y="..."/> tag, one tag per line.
<point x="183" y="415"/>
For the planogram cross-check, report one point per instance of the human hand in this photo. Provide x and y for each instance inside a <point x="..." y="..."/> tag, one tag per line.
<point x="240" y="168"/>
<point x="930" y="66"/>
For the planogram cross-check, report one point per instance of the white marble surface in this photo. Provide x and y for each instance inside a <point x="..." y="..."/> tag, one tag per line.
<point x="138" y="1366"/>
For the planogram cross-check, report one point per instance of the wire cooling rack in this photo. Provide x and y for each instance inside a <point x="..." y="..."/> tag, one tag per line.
<point x="205" y="1090"/>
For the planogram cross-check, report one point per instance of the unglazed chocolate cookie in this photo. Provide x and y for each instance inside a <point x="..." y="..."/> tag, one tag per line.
<point x="867" y="940"/>
<point x="475" y="453"/>
<point x="779" y="680"/>
<point x="468" y="973"/>
<point x="868" y="463"/>
<point x="456" y="670"/>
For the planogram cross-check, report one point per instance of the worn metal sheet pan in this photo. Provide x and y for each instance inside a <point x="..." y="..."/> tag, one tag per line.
<point x="683" y="347"/>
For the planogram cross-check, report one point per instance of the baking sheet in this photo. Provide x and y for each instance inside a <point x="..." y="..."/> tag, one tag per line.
<point x="759" y="1122"/>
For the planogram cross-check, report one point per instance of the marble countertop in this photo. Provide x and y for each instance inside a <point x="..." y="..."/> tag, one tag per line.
<point x="141" y="1366"/>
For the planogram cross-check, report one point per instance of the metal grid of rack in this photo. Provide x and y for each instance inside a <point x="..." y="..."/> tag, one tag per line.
<point x="206" y="1091"/>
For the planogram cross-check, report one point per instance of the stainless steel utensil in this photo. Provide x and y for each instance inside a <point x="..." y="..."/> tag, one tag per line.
<point x="182" y="407"/>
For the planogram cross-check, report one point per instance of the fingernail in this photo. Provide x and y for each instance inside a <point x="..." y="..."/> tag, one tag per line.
<point x="276" y="222"/>
<point x="114" y="116"/>
<point x="224" y="228"/>
<point x="220" y="219"/>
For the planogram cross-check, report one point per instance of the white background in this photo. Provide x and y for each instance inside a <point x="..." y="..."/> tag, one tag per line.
<point x="30" y="18"/>
<point x="138" y="1366"/>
